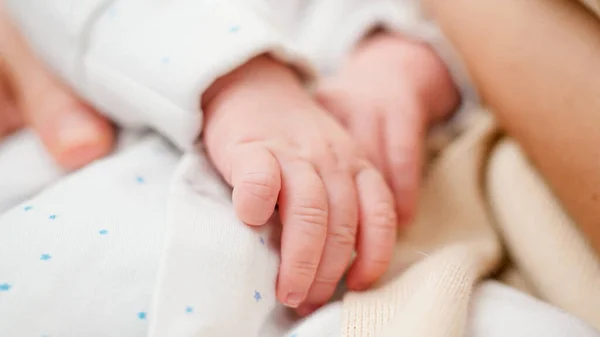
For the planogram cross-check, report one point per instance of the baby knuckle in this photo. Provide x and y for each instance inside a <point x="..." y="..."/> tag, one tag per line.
<point x="303" y="268"/>
<point x="344" y="157"/>
<point x="311" y="214"/>
<point x="314" y="152"/>
<point x="261" y="185"/>
<point x="383" y="217"/>
<point x="327" y="281"/>
<point x="343" y="166"/>
<point x="345" y="236"/>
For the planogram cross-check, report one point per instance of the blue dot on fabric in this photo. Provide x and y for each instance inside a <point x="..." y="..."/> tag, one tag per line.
<point x="234" y="29"/>
<point x="140" y="179"/>
<point x="103" y="232"/>
<point x="165" y="60"/>
<point x="141" y="315"/>
<point x="189" y="310"/>
<point x="262" y="240"/>
<point x="257" y="296"/>
<point x="27" y="208"/>
<point x="45" y="257"/>
<point x="5" y="287"/>
<point x="52" y="217"/>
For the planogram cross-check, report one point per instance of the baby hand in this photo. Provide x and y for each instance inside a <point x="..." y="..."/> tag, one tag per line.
<point x="386" y="94"/>
<point x="275" y="145"/>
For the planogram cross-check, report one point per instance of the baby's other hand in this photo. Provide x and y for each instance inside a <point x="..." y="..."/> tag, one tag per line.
<point x="275" y="145"/>
<point x="386" y="94"/>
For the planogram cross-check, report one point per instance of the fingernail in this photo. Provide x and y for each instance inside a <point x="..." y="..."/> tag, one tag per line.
<point x="75" y="129"/>
<point x="293" y="299"/>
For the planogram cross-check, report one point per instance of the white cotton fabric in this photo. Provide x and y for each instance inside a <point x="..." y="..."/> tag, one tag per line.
<point x="145" y="242"/>
<point x="19" y="152"/>
<point x="154" y="58"/>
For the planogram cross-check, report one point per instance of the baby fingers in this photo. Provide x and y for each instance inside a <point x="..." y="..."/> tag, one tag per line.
<point x="404" y="138"/>
<point x="341" y="236"/>
<point x="377" y="230"/>
<point x="304" y="214"/>
<point x="256" y="180"/>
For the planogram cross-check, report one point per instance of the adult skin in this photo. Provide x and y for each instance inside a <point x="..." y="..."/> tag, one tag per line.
<point x="537" y="65"/>
<point x="72" y="132"/>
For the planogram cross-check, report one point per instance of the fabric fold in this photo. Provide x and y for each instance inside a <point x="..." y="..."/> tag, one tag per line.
<point x="483" y="205"/>
<point x="448" y="248"/>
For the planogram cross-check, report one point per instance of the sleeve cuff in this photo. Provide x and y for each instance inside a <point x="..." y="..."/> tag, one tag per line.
<point x="148" y="63"/>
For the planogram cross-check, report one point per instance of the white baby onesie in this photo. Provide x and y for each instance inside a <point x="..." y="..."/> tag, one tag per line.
<point x="154" y="58"/>
<point x="145" y="242"/>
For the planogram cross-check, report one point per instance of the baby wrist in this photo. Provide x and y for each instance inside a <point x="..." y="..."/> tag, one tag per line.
<point x="262" y="76"/>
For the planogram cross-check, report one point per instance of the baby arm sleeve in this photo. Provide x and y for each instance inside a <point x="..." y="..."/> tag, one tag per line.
<point x="146" y="63"/>
<point x="335" y="27"/>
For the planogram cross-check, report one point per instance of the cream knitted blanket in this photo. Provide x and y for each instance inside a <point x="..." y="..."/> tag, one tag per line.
<point x="482" y="205"/>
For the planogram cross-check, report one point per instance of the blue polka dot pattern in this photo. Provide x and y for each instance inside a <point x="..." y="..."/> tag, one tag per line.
<point x="257" y="296"/>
